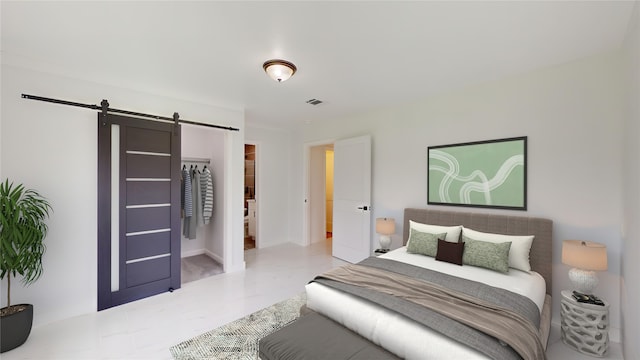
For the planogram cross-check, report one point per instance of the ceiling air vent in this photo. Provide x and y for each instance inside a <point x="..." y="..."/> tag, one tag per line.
<point x="314" y="101"/>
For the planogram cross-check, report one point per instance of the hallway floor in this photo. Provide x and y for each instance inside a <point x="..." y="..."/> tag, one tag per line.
<point x="249" y="243"/>
<point x="145" y="329"/>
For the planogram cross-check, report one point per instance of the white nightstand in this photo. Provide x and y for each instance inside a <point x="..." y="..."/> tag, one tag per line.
<point x="584" y="327"/>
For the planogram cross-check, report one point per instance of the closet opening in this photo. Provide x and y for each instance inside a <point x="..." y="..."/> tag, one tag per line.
<point x="202" y="165"/>
<point x="250" y="201"/>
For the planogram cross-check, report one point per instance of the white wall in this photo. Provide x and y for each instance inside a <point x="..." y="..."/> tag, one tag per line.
<point x="630" y="289"/>
<point x="272" y="183"/>
<point x="573" y="119"/>
<point x="207" y="143"/>
<point x="216" y="229"/>
<point x="53" y="148"/>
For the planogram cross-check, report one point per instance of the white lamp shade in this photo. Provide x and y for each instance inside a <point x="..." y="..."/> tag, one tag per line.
<point x="385" y="226"/>
<point x="279" y="70"/>
<point x="585" y="255"/>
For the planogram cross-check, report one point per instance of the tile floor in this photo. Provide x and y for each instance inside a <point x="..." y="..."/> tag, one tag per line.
<point x="146" y="329"/>
<point x="557" y="350"/>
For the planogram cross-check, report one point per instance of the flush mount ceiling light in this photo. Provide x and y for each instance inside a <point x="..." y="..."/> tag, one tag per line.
<point x="279" y="70"/>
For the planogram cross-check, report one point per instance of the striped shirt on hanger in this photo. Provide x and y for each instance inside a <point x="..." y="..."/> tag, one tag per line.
<point x="206" y="182"/>
<point x="187" y="199"/>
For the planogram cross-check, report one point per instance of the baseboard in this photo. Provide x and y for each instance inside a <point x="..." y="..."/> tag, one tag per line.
<point x="215" y="257"/>
<point x="238" y="267"/>
<point x="192" y="253"/>
<point x="615" y="335"/>
<point x="195" y="252"/>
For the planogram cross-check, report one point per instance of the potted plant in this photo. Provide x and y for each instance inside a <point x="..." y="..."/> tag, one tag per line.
<point x="22" y="232"/>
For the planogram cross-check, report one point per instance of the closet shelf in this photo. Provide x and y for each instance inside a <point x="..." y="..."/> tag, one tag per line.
<point x="196" y="160"/>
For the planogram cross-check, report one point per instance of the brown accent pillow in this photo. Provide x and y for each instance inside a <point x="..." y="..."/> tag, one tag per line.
<point x="450" y="252"/>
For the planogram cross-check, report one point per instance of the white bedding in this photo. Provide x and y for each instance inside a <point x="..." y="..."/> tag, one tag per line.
<point x="403" y="336"/>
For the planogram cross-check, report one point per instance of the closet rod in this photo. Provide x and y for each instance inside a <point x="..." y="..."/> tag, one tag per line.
<point x="126" y="112"/>
<point x="196" y="160"/>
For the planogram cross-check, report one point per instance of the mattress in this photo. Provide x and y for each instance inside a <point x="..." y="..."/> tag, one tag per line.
<point x="402" y="336"/>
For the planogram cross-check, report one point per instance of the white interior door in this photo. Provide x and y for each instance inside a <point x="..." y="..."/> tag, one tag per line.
<point x="352" y="199"/>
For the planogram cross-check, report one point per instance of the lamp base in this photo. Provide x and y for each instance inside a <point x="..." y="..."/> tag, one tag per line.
<point x="385" y="242"/>
<point x="583" y="280"/>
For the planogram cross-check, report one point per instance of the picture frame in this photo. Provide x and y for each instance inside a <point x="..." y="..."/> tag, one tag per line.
<point x="486" y="174"/>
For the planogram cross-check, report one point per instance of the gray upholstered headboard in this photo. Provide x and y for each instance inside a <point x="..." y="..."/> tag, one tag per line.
<point x="540" y="255"/>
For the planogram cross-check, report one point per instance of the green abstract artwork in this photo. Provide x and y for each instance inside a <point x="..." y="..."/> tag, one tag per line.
<point x="480" y="174"/>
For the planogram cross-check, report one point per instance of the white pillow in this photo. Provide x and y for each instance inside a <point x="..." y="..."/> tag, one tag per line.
<point x="520" y="246"/>
<point x="453" y="232"/>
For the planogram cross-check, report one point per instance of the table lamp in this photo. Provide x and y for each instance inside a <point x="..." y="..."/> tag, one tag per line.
<point x="385" y="227"/>
<point x="586" y="257"/>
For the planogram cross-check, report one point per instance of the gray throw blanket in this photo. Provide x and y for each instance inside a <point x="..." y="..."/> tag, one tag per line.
<point x="475" y="314"/>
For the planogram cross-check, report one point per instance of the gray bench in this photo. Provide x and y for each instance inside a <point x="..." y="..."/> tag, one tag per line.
<point x="315" y="337"/>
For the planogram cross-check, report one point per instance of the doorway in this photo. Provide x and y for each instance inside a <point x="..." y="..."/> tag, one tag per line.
<point x="351" y="215"/>
<point x="203" y="242"/>
<point x="250" y="205"/>
<point x="321" y="159"/>
<point x="328" y="191"/>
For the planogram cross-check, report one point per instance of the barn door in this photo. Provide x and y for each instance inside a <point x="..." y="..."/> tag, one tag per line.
<point x="138" y="209"/>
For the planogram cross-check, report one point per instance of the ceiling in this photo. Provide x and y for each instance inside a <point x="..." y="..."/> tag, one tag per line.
<point x="354" y="56"/>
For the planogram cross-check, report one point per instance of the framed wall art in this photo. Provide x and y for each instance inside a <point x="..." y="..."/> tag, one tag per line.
<point x="489" y="174"/>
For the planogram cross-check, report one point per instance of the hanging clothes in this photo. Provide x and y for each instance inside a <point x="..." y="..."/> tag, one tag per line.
<point x="206" y="181"/>
<point x="191" y="223"/>
<point x="187" y="194"/>
<point x="197" y="196"/>
<point x="197" y="199"/>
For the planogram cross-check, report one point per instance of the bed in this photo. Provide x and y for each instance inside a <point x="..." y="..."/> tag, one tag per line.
<point x="401" y="328"/>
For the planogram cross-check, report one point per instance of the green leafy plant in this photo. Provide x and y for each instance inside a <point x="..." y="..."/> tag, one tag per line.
<point x="22" y="232"/>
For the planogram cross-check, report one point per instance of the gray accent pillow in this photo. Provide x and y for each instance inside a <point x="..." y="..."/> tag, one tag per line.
<point x="489" y="255"/>
<point x="424" y="243"/>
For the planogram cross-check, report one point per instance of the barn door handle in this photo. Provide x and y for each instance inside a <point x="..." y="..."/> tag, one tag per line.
<point x="365" y="208"/>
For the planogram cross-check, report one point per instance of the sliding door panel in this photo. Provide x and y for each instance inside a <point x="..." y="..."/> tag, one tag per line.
<point x="148" y="271"/>
<point x="143" y="258"/>
<point x="148" y="245"/>
<point x="149" y="166"/>
<point x="148" y="219"/>
<point x="139" y="193"/>
<point x="151" y="140"/>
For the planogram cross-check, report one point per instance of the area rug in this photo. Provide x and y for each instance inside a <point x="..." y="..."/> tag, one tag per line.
<point x="238" y="340"/>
